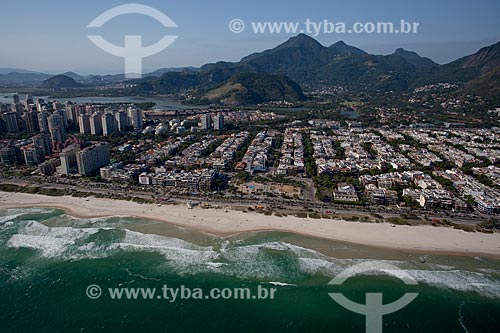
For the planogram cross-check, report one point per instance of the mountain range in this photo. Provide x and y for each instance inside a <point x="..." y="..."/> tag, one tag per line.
<point x="310" y="64"/>
<point x="28" y="78"/>
<point x="61" y="81"/>
<point x="301" y="61"/>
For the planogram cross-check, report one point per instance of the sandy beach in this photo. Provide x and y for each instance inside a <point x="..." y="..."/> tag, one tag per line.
<point x="229" y="222"/>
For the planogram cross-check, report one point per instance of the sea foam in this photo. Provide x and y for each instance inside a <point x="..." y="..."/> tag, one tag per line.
<point x="279" y="262"/>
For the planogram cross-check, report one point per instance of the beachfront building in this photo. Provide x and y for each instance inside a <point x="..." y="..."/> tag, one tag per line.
<point x="68" y="160"/>
<point x="92" y="158"/>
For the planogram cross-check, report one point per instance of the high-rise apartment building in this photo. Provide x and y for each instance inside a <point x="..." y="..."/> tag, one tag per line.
<point x="33" y="155"/>
<point x="219" y="122"/>
<point x="84" y="123"/>
<point x="31" y="121"/>
<point x="135" y="118"/>
<point x="43" y="123"/>
<point x="43" y="140"/>
<point x="108" y="124"/>
<point x="56" y="128"/>
<point x="121" y="120"/>
<point x="206" y="121"/>
<point x="95" y="124"/>
<point x="68" y="159"/>
<point x="10" y="121"/>
<point x="92" y="158"/>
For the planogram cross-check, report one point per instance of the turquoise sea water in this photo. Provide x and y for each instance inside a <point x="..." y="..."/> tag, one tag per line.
<point x="48" y="260"/>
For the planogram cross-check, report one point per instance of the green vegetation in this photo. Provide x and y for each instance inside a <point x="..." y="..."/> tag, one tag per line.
<point x="310" y="162"/>
<point x="242" y="176"/>
<point x="253" y="88"/>
<point x="491" y="224"/>
<point x="61" y="81"/>
<point x="211" y="148"/>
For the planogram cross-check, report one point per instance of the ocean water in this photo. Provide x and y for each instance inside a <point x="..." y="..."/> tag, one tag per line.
<point x="48" y="260"/>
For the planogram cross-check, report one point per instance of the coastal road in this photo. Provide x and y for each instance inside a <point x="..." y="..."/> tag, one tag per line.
<point x="296" y="205"/>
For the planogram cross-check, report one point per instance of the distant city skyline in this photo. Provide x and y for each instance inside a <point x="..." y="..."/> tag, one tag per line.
<point x="51" y="37"/>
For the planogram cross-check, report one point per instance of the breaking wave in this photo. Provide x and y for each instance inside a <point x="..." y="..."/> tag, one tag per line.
<point x="280" y="263"/>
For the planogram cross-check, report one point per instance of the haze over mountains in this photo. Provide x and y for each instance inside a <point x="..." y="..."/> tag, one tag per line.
<point x="303" y="60"/>
<point x="29" y="78"/>
<point x="310" y="64"/>
<point x="61" y="81"/>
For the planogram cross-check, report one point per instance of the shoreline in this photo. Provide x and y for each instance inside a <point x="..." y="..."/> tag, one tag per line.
<point x="228" y="223"/>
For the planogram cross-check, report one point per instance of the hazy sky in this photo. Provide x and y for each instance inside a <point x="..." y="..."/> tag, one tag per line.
<point x="51" y="36"/>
